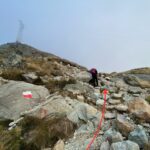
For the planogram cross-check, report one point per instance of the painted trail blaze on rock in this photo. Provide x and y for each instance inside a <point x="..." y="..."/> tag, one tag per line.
<point x="27" y="94"/>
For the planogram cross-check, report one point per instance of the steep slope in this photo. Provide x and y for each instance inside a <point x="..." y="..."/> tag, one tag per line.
<point x="21" y="49"/>
<point x="25" y="63"/>
<point x="67" y="115"/>
<point x="7" y="51"/>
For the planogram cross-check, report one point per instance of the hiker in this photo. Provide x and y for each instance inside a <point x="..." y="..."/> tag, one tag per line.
<point x="94" y="80"/>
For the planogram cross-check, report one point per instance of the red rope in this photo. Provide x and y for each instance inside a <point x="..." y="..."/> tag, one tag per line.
<point x="100" y="123"/>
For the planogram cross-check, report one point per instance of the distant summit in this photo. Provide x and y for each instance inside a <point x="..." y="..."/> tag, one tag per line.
<point x="14" y="54"/>
<point x="21" y="49"/>
<point x="22" y="62"/>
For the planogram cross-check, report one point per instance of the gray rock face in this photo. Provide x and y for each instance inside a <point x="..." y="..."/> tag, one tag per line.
<point x="13" y="60"/>
<point x="82" y="112"/>
<point x="140" y="109"/>
<point x="79" y="88"/>
<point x="125" y="145"/>
<point x="3" y="81"/>
<point x="121" y="107"/>
<point x="113" y="136"/>
<point x="100" y="102"/>
<point x="121" y="84"/>
<point x="89" y="127"/>
<point x="112" y="89"/>
<point x="81" y="141"/>
<point x="83" y="76"/>
<point x="127" y="97"/>
<point x="95" y="119"/>
<point x="139" y="136"/>
<point x="131" y="80"/>
<point x="135" y="90"/>
<point x="114" y="101"/>
<point x="109" y="115"/>
<point x="105" y="146"/>
<point x="117" y="96"/>
<point x="12" y="102"/>
<point x="79" y="114"/>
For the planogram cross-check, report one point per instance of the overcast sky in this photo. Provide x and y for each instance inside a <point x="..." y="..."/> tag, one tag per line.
<point x="111" y="35"/>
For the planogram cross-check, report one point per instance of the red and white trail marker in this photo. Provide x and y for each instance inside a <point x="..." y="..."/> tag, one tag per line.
<point x="27" y="94"/>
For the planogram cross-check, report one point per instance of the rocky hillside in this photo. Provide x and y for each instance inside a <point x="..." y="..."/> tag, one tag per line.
<point x="64" y="110"/>
<point x="24" y="63"/>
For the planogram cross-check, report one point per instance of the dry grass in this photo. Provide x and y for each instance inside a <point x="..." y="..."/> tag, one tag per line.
<point x="54" y="85"/>
<point x="10" y="139"/>
<point x="38" y="65"/>
<point x="140" y="71"/>
<point x="12" y="74"/>
<point x="42" y="67"/>
<point x="39" y="133"/>
<point x="2" y="147"/>
<point x="147" y="146"/>
<point x="36" y="133"/>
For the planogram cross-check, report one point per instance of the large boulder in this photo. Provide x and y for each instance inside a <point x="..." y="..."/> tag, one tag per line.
<point x="83" y="76"/>
<point x="134" y="90"/>
<point x="113" y="136"/>
<point x="59" y="145"/>
<point x="79" y="88"/>
<point x="131" y="80"/>
<point x="139" y="136"/>
<point x="119" y="83"/>
<point x="105" y="146"/>
<point x="12" y="101"/>
<point x="116" y="95"/>
<point x="30" y="77"/>
<point x="124" y="145"/>
<point x="78" y="114"/>
<point x="140" y="109"/>
<point x="121" y="108"/>
<point x="82" y="113"/>
<point x="114" y="101"/>
<point x="55" y="105"/>
<point x="138" y="80"/>
<point x="123" y="125"/>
